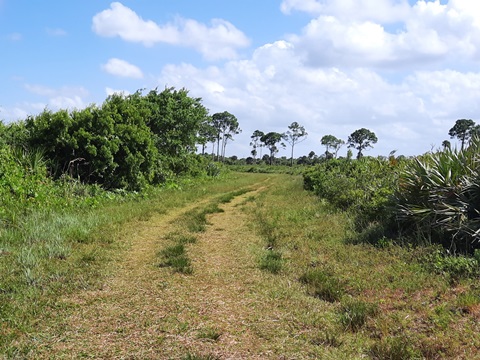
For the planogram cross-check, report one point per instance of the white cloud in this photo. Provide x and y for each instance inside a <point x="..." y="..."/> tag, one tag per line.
<point x="220" y="40"/>
<point x="66" y="102"/>
<point x="13" y="114"/>
<point x="309" y="6"/>
<point x="40" y="90"/>
<point x="389" y="33"/>
<point x="122" y="68"/>
<point x="275" y="87"/>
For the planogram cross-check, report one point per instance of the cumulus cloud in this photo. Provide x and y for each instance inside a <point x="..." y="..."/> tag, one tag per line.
<point x="122" y="68"/>
<point x="219" y="40"/>
<point x="387" y="33"/>
<point x="276" y="87"/>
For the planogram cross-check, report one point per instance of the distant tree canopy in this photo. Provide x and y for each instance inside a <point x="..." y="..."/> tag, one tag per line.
<point x="463" y="130"/>
<point x="226" y="126"/>
<point x="361" y="139"/>
<point x="295" y="134"/>
<point x="128" y="142"/>
<point x="256" y="143"/>
<point x="271" y="140"/>
<point x="331" y="142"/>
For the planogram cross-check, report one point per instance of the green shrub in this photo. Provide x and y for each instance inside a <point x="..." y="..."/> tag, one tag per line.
<point x="363" y="186"/>
<point x="438" y="198"/>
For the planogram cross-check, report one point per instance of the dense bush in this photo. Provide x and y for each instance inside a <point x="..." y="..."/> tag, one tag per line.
<point x="430" y="199"/>
<point x="128" y="142"/>
<point x="364" y="186"/>
<point x="438" y="199"/>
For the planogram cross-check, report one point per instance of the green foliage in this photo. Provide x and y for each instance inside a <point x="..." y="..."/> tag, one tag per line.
<point x="294" y="136"/>
<point x="361" y="139"/>
<point x="270" y="140"/>
<point x="453" y="267"/>
<point x="213" y="169"/>
<point x="225" y="125"/>
<point x="323" y="284"/>
<point x="364" y="186"/>
<point x="331" y="142"/>
<point x="129" y="142"/>
<point x="463" y="130"/>
<point x="438" y="199"/>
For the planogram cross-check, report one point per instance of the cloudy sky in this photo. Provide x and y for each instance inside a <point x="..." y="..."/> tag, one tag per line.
<point x="404" y="69"/>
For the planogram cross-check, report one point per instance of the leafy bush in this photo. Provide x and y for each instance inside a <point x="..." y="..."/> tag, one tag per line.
<point x="438" y="198"/>
<point x="128" y="142"/>
<point x="364" y="186"/>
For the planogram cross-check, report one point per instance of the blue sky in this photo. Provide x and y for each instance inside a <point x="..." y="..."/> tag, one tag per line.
<point x="404" y="69"/>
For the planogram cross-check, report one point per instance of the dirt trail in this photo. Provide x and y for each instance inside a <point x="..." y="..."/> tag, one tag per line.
<point x="146" y="312"/>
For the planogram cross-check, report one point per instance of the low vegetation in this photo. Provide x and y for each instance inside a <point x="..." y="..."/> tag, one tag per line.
<point x="380" y="258"/>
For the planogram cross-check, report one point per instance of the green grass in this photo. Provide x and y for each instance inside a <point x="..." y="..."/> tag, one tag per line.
<point x="371" y="292"/>
<point x="364" y="301"/>
<point x="271" y="261"/>
<point x="175" y="257"/>
<point x="394" y="348"/>
<point x="48" y="253"/>
<point x="355" y="313"/>
<point x="323" y="285"/>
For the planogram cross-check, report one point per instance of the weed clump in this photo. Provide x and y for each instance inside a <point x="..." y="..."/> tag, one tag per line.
<point x="176" y="258"/>
<point x="354" y="313"/>
<point x="272" y="261"/>
<point x="394" y="348"/>
<point x="323" y="285"/>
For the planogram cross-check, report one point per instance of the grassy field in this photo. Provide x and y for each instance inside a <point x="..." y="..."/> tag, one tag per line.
<point x="249" y="267"/>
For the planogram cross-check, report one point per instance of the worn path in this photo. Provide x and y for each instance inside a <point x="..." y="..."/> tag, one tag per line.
<point x="226" y="309"/>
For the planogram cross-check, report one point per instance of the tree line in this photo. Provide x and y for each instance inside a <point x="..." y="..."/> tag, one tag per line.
<point x="360" y="139"/>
